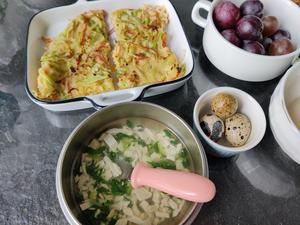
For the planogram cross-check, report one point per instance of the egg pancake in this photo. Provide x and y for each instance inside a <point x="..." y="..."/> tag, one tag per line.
<point x="141" y="54"/>
<point x="76" y="63"/>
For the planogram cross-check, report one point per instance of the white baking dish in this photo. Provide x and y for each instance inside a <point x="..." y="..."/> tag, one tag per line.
<point x="52" y="21"/>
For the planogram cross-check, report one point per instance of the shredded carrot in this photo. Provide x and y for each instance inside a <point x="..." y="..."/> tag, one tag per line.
<point x="46" y="40"/>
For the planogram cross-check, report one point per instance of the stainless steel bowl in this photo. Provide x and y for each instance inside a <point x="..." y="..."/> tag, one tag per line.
<point x="68" y="162"/>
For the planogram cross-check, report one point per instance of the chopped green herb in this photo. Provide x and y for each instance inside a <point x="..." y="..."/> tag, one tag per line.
<point x="168" y="133"/>
<point x="127" y="140"/>
<point x="87" y="149"/>
<point x="92" y="195"/>
<point x="153" y="147"/>
<point x="174" y="142"/>
<point x="121" y="136"/>
<point x="130" y="124"/>
<point x="112" y="155"/>
<point x="184" y="156"/>
<point x="79" y="196"/>
<point x="165" y="164"/>
<point x="141" y="142"/>
<point x="96" y="152"/>
<point x="94" y="172"/>
<point x="102" y="190"/>
<point x="104" y="209"/>
<point x="128" y="159"/>
<point x="119" y="186"/>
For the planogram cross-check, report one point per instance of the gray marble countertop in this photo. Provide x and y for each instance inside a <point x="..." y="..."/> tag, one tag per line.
<point x="261" y="186"/>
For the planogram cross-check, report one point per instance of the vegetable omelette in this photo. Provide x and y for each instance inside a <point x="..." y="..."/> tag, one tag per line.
<point x="78" y="62"/>
<point x="141" y="55"/>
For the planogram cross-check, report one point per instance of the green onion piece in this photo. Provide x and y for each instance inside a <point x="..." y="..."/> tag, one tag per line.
<point x="165" y="164"/>
<point x="130" y="124"/>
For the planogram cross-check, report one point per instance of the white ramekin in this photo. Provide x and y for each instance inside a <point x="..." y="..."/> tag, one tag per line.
<point x="247" y="105"/>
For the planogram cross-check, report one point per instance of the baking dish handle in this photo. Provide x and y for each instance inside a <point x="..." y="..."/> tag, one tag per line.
<point x="196" y="17"/>
<point x="111" y="98"/>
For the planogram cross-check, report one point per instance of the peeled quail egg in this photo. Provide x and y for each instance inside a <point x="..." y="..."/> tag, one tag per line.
<point x="212" y="126"/>
<point x="237" y="129"/>
<point x="224" y="105"/>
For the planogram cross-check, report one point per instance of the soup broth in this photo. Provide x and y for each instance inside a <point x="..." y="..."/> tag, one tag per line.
<point x="105" y="198"/>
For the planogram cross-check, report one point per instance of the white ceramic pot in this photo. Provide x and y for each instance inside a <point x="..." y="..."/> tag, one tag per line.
<point x="239" y="63"/>
<point x="283" y="127"/>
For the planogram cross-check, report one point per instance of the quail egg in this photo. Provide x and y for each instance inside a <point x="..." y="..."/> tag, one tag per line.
<point x="237" y="129"/>
<point x="224" y="105"/>
<point x="212" y="126"/>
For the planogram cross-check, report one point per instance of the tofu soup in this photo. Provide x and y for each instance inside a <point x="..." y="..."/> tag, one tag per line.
<point x="105" y="198"/>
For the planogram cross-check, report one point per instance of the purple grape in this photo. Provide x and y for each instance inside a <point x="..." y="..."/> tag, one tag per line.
<point x="230" y="35"/>
<point x="226" y="14"/>
<point x="267" y="42"/>
<point x="246" y="41"/>
<point x="249" y="28"/>
<point x="281" y="34"/>
<point x="252" y="7"/>
<point x="281" y="47"/>
<point x="254" y="47"/>
<point x="271" y="25"/>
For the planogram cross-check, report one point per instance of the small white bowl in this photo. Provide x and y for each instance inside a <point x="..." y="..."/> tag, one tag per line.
<point x="247" y="105"/>
<point x="239" y="63"/>
<point x="283" y="127"/>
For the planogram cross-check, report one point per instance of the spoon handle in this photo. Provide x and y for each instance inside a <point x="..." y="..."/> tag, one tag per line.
<point x="188" y="186"/>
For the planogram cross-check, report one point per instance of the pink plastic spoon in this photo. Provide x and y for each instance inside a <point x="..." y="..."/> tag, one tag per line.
<point x="188" y="186"/>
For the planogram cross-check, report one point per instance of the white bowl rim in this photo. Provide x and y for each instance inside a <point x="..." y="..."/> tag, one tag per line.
<point x="288" y="73"/>
<point x="230" y="149"/>
<point x="295" y="52"/>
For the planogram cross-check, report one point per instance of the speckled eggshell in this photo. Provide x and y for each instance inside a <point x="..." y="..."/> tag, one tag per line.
<point x="212" y="126"/>
<point x="224" y="105"/>
<point x="237" y="129"/>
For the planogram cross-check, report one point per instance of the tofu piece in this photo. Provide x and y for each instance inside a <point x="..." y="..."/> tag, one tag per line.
<point x="136" y="210"/>
<point x="110" y="141"/>
<point x="179" y="166"/>
<point x="111" y="213"/>
<point x="122" y="221"/>
<point x="119" y="198"/>
<point x="94" y="144"/>
<point x="162" y="214"/>
<point x="113" y="167"/>
<point x="164" y="202"/>
<point x="156" y="197"/>
<point x="146" y="207"/>
<point x="85" y="205"/>
<point x="136" y="220"/>
<point x="107" y="174"/>
<point x="142" y="194"/>
<point x="172" y="204"/>
<point x="155" y="156"/>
